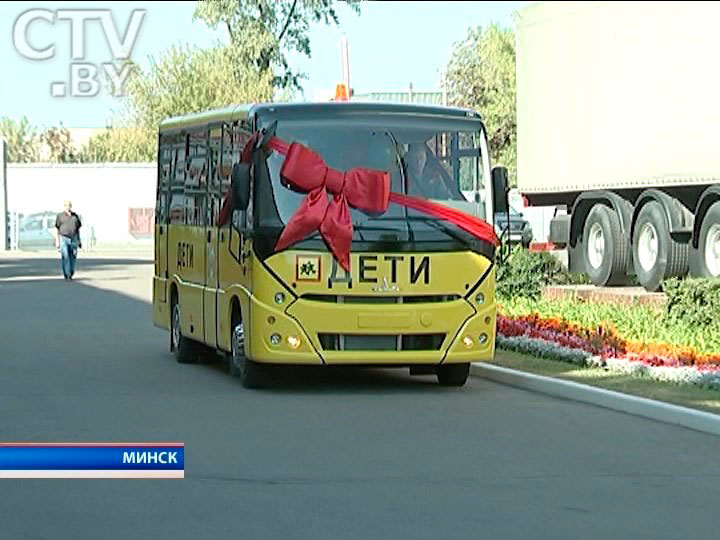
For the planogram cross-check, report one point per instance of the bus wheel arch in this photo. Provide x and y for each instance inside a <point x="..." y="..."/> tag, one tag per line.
<point x="250" y="373"/>
<point x="173" y="295"/>
<point x="183" y="348"/>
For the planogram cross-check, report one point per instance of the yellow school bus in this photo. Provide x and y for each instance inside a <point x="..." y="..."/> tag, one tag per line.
<point x="419" y="292"/>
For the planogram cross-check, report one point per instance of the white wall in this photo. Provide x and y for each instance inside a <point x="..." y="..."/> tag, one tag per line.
<point x="100" y="193"/>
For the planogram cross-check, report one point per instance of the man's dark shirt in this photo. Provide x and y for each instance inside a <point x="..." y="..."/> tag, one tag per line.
<point x="68" y="225"/>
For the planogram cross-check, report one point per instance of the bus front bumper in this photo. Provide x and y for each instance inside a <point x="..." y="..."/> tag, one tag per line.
<point x="392" y="335"/>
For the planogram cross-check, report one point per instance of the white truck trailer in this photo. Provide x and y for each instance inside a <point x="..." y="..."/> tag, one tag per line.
<point x="618" y="121"/>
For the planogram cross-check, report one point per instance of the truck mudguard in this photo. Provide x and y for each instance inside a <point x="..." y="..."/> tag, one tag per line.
<point x="679" y="217"/>
<point x="708" y="197"/>
<point x="585" y="202"/>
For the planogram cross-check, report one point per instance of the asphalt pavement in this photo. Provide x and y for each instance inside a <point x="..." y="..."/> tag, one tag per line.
<point x="341" y="453"/>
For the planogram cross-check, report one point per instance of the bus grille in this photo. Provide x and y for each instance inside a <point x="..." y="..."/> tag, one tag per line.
<point x="425" y="299"/>
<point x="375" y="342"/>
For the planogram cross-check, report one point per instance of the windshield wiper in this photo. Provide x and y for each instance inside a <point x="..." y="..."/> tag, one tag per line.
<point x="439" y="224"/>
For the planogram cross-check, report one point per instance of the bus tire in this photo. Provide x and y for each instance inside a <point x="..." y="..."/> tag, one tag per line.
<point x="184" y="348"/>
<point x="250" y="373"/>
<point x="453" y="374"/>
<point x="705" y="260"/>
<point x="655" y="254"/>
<point x="604" y="247"/>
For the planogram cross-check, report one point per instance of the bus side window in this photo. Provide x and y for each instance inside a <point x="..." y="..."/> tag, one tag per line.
<point x="470" y="163"/>
<point x="177" y="181"/>
<point x="214" y="183"/>
<point x="239" y="219"/>
<point x="225" y="159"/>
<point x="242" y="136"/>
<point x="234" y="139"/>
<point x="164" y="170"/>
<point x="196" y="179"/>
<point x="458" y="155"/>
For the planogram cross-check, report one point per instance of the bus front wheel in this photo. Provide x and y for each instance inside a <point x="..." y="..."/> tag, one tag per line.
<point x="249" y="372"/>
<point x="453" y="374"/>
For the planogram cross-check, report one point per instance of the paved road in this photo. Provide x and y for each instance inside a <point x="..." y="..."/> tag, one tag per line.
<point x="323" y="454"/>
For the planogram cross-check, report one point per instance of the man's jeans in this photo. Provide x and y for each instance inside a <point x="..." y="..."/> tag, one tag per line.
<point x="68" y="250"/>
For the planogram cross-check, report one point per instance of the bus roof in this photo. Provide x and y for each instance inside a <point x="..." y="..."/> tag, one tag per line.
<point x="224" y="114"/>
<point x="239" y="112"/>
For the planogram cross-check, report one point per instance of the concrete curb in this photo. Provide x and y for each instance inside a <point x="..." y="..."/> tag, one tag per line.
<point x="647" y="408"/>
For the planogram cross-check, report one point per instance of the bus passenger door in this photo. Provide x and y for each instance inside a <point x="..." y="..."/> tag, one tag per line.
<point x="187" y="241"/>
<point x="210" y="300"/>
<point x="211" y="286"/>
<point x="161" y="311"/>
<point x="234" y="248"/>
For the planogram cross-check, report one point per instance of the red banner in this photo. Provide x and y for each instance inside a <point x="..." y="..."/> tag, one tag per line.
<point x="141" y="221"/>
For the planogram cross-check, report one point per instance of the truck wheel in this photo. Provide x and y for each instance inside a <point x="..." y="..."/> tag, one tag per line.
<point x="249" y="372"/>
<point x="453" y="374"/>
<point x="705" y="260"/>
<point x="184" y="349"/>
<point x="656" y="255"/>
<point x="605" y="248"/>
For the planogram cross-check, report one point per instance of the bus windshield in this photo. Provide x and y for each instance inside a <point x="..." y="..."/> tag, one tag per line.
<point x="440" y="161"/>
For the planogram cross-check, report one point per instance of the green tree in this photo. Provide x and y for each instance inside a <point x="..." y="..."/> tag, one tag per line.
<point x="122" y="144"/>
<point x="251" y="68"/>
<point x="22" y="140"/>
<point x="182" y="81"/>
<point x="191" y="80"/>
<point x="59" y="144"/>
<point x="481" y="76"/>
<point x="263" y="31"/>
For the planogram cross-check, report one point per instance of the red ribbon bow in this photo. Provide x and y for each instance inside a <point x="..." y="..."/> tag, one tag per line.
<point x="365" y="189"/>
<point x="304" y="170"/>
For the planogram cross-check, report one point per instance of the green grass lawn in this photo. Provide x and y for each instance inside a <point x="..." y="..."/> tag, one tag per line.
<point x="685" y="395"/>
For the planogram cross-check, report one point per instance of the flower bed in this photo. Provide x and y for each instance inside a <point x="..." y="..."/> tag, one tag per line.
<point x="678" y="341"/>
<point x="601" y="347"/>
<point x="635" y="324"/>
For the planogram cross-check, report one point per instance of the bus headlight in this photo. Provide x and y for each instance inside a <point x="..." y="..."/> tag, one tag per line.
<point x="467" y="341"/>
<point x="279" y="298"/>
<point x="275" y="339"/>
<point x="483" y="338"/>
<point x="293" y="342"/>
<point x="480" y="298"/>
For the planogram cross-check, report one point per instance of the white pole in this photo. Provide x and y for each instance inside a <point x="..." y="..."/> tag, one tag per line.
<point x="345" y="63"/>
<point x="444" y="89"/>
<point x="4" y="225"/>
<point x="445" y="77"/>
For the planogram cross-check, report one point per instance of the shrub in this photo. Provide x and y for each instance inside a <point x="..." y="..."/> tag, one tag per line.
<point x="694" y="302"/>
<point x="524" y="273"/>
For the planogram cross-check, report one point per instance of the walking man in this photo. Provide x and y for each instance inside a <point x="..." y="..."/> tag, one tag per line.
<point x="67" y="238"/>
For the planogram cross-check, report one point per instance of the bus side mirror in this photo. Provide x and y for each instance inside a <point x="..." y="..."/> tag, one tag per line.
<point x="501" y="205"/>
<point x="240" y="186"/>
<point x="500" y="189"/>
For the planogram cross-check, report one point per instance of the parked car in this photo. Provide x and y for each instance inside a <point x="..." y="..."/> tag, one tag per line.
<point x="520" y="229"/>
<point x="35" y="231"/>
